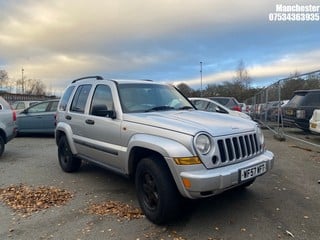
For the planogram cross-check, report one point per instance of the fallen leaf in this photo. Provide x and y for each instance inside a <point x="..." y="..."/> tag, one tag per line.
<point x="116" y="208"/>
<point x="27" y="199"/>
<point x="289" y="233"/>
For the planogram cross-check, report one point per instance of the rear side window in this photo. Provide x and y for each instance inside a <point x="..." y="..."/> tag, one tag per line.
<point x="65" y="98"/>
<point x="53" y="106"/>
<point x="80" y="98"/>
<point x="312" y="99"/>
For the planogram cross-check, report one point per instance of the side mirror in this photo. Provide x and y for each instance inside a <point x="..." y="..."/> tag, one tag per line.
<point x="220" y="110"/>
<point x="102" y="111"/>
<point x="111" y="114"/>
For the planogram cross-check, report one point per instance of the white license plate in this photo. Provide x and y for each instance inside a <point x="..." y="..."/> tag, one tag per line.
<point x="251" y="172"/>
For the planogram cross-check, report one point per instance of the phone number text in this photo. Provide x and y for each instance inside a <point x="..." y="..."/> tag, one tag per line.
<point x="294" y="17"/>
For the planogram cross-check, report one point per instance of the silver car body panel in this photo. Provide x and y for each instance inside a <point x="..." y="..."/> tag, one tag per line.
<point x="7" y="123"/>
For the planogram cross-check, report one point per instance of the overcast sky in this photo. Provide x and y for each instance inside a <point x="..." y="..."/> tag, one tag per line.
<point x="164" y="40"/>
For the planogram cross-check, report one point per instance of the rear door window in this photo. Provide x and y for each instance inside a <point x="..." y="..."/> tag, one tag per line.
<point x="41" y="107"/>
<point x="312" y="99"/>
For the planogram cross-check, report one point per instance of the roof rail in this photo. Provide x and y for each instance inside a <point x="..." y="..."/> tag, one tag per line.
<point x="148" y="80"/>
<point x="96" y="77"/>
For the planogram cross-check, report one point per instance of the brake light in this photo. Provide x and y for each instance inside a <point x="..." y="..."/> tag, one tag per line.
<point x="237" y="108"/>
<point x="14" y="115"/>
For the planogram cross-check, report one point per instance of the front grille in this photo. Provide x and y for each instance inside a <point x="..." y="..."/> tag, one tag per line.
<point x="238" y="148"/>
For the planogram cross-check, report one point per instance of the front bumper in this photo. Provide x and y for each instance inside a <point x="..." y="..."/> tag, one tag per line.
<point x="204" y="183"/>
<point x="314" y="126"/>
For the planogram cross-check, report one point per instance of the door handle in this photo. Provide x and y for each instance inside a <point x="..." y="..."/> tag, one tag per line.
<point x="68" y="117"/>
<point x="89" y="121"/>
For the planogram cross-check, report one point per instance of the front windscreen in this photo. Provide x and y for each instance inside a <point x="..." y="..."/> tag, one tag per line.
<point x="296" y="100"/>
<point x="151" y="97"/>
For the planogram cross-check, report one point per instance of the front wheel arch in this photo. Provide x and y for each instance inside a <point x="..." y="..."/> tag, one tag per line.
<point x="136" y="155"/>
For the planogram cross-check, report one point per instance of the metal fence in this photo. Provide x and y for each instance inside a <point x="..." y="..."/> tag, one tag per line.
<point x="12" y="97"/>
<point x="267" y="107"/>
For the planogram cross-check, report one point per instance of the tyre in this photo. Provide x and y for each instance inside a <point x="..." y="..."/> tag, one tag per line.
<point x="2" y="145"/>
<point x="157" y="193"/>
<point x="68" y="162"/>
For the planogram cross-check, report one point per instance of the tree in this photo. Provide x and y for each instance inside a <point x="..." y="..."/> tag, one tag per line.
<point x="312" y="82"/>
<point x="293" y="83"/>
<point x="4" y="78"/>
<point x="242" y="76"/>
<point x="35" y="87"/>
<point x="185" y="89"/>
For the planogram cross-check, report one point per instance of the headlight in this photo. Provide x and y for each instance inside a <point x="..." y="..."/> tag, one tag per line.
<point x="260" y="136"/>
<point x="301" y="114"/>
<point x="202" y="143"/>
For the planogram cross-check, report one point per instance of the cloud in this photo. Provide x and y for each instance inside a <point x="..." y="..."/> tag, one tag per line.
<point x="270" y="72"/>
<point x="289" y="64"/>
<point x="163" y="40"/>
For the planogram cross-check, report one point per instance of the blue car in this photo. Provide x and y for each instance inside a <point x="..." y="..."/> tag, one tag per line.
<point x="39" y="118"/>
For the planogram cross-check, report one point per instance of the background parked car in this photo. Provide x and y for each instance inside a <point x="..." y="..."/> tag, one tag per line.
<point x="243" y="107"/>
<point x="18" y="106"/>
<point x="229" y="102"/>
<point x="275" y="110"/>
<point x="315" y="122"/>
<point x="209" y="105"/>
<point x="7" y="124"/>
<point x="39" y="118"/>
<point x="298" y="111"/>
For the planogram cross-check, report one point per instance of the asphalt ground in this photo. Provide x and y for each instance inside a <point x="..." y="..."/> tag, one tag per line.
<point x="282" y="204"/>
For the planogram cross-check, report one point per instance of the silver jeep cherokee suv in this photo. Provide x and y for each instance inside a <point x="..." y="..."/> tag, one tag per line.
<point x="150" y="132"/>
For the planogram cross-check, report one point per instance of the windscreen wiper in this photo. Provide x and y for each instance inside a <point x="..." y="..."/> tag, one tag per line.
<point x="185" y="108"/>
<point x="159" y="108"/>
